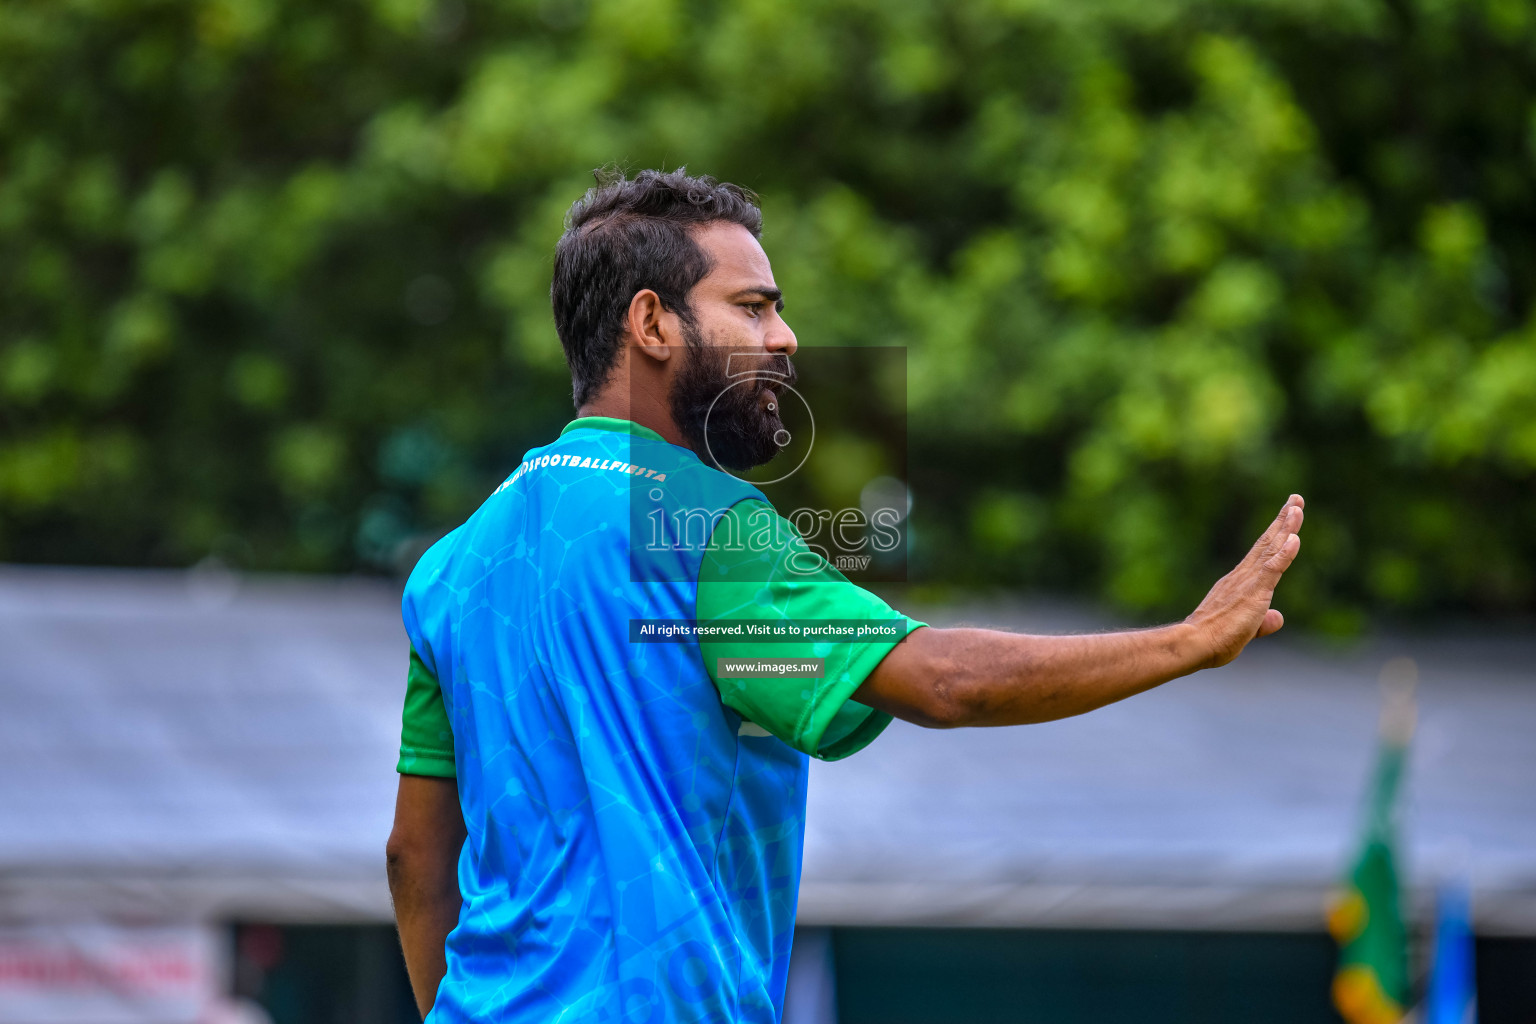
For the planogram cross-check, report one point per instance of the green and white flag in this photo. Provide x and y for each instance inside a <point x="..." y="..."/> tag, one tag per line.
<point x="1365" y="917"/>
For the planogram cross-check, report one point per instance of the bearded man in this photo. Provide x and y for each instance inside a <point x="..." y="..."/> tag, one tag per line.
<point x="591" y="828"/>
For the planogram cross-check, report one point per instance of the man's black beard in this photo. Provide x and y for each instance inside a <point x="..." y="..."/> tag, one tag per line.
<point x="739" y="432"/>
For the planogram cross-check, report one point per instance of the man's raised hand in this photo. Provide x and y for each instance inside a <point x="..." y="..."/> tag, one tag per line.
<point x="1237" y="608"/>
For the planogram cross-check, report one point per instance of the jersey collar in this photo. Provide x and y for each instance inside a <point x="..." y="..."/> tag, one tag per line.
<point x="614" y="424"/>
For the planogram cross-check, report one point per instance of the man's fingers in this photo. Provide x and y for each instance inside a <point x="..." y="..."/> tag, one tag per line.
<point x="1287" y="521"/>
<point x="1281" y="560"/>
<point x="1273" y="620"/>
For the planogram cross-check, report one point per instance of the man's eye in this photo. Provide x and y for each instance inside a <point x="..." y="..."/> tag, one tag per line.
<point x="752" y="308"/>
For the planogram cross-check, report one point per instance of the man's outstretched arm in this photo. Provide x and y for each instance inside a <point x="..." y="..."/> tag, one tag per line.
<point x="944" y="678"/>
<point x="422" y="856"/>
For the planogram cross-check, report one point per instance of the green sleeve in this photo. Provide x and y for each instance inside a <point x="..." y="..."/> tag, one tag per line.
<point x="758" y="568"/>
<point x="426" y="739"/>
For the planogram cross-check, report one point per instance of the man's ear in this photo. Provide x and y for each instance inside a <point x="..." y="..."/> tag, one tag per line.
<point x="652" y="329"/>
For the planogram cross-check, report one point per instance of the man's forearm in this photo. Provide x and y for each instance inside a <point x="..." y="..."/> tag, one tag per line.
<point x="422" y="858"/>
<point x="1013" y="679"/>
<point x="982" y="677"/>
<point x="424" y="913"/>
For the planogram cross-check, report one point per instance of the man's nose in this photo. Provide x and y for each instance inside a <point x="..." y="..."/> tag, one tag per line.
<point x="781" y="339"/>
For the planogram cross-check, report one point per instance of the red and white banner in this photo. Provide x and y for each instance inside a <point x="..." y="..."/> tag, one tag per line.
<point x="107" y="974"/>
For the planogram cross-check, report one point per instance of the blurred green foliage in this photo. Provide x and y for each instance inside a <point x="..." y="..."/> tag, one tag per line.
<point x="273" y="274"/>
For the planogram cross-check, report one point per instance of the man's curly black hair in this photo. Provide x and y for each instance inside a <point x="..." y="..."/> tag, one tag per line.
<point x="626" y="235"/>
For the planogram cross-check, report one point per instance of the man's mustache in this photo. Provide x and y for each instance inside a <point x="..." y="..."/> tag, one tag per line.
<point x="776" y="374"/>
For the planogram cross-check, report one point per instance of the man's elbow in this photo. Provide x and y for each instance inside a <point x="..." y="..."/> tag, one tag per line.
<point x="394" y="859"/>
<point x="402" y="860"/>
<point x="948" y="704"/>
<point x="924" y="682"/>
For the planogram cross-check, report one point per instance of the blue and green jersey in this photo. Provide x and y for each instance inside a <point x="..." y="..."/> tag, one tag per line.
<point x="635" y="823"/>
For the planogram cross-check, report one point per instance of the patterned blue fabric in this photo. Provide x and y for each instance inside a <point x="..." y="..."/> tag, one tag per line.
<point x="631" y="856"/>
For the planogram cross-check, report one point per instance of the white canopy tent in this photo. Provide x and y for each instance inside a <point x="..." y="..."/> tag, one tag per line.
<point x="191" y="746"/>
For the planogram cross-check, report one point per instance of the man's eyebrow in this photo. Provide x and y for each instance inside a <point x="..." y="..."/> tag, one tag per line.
<point x="772" y="295"/>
